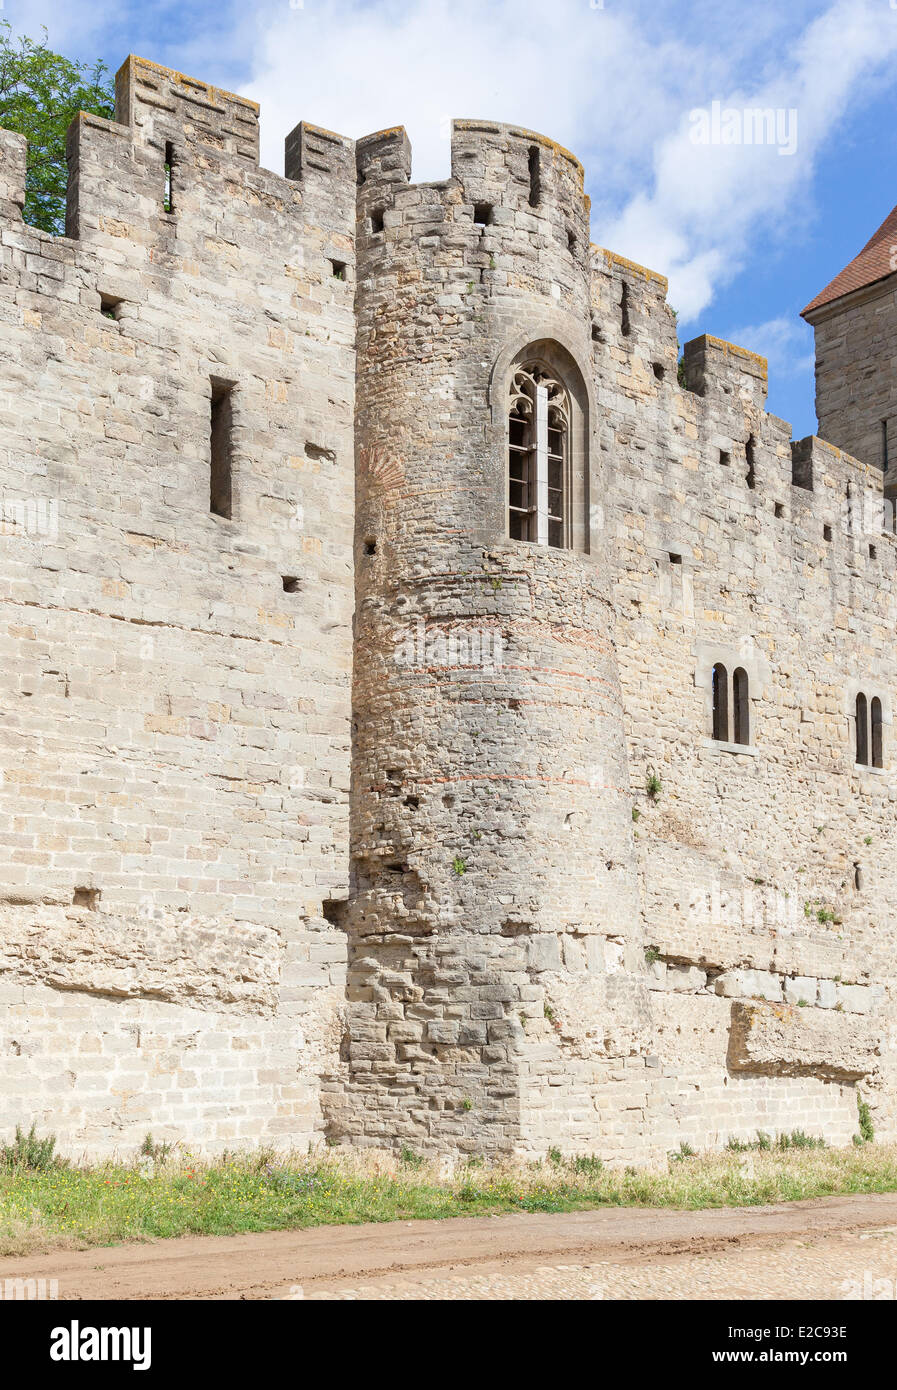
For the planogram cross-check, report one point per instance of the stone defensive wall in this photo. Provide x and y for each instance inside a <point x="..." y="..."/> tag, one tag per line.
<point x="766" y="869"/>
<point x="331" y="810"/>
<point x="175" y="746"/>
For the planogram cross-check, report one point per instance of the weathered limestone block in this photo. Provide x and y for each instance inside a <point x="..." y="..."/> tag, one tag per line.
<point x="859" y="999"/>
<point x="544" y="951"/>
<point x="748" y="984"/>
<point x="780" y="1040"/>
<point x="801" y="989"/>
<point x="687" y="978"/>
<point x="176" y="957"/>
<point x="827" y="994"/>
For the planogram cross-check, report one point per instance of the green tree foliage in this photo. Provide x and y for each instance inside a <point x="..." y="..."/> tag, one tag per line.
<point x="40" y="93"/>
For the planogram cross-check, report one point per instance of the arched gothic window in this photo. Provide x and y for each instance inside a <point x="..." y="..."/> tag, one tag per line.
<point x="741" y="707"/>
<point x="862" y="711"/>
<point x="538" y="453"/>
<point x="720" y="703"/>
<point x="731" y="705"/>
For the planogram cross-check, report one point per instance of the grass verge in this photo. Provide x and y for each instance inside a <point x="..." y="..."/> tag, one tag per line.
<point x="77" y="1207"/>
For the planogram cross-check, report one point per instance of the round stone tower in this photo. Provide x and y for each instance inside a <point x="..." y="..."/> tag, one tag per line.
<point x="492" y="921"/>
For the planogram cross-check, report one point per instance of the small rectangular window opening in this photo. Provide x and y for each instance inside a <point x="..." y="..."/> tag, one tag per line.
<point x="221" y="448"/>
<point x="624" y="311"/>
<point x="675" y="559"/>
<point x="483" y="214"/>
<point x="826" y="533"/>
<point x="290" y="584"/>
<point x="779" y="510"/>
<point x="339" y="269"/>
<point x="110" y="306"/>
<point x="168" y="198"/>
<point x="535" y="176"/>
<point x="725" y="458"/>
<point x="377" y="220"/>
<point x="873" y="553"/>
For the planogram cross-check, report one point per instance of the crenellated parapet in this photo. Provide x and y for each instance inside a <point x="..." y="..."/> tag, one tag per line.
<point x="719" y="369"/>
<point x="161" y="105"/>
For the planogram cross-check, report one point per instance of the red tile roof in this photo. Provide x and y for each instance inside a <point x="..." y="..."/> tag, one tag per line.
<point x="876" y="261"/>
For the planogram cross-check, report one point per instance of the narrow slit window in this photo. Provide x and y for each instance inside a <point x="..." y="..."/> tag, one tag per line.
<point x="538" y="431"/>
<point x="884" y="446"/>
<point x="168" y="196"/>
<point x="535" y="176"/>
<point x="750" y="450"/>
<point x="624" y="311"/>
<point x="221" y="449"/>
<point x="741" y="709"/>
<point x="862" y="730"/>
<point x="875" y="713"/>
<point x="720" y="703"/>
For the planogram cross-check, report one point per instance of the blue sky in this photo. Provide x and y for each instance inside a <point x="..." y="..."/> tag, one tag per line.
<point x="747" y="234"/>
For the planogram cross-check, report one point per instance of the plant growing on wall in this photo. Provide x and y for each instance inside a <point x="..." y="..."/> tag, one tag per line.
<point x="867" y="1130"/>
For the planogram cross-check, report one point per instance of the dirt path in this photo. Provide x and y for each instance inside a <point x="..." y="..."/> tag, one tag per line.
<point x="796" y="1250"/>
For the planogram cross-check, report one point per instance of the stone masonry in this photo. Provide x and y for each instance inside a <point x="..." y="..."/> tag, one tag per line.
<point x="330" y="811"/>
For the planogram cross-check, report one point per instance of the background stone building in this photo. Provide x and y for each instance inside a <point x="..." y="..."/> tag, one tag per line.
<point x="580" y="831"/>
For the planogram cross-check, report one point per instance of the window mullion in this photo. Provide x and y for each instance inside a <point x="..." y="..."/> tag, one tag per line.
<point x="541" y="432"/>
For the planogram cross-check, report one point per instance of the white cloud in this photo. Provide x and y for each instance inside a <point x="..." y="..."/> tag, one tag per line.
<point x="358" y="68"/>
<point x="709" y="200"/>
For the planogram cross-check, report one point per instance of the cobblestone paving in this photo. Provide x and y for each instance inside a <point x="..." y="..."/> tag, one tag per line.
<point x="832" y="1267"/>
